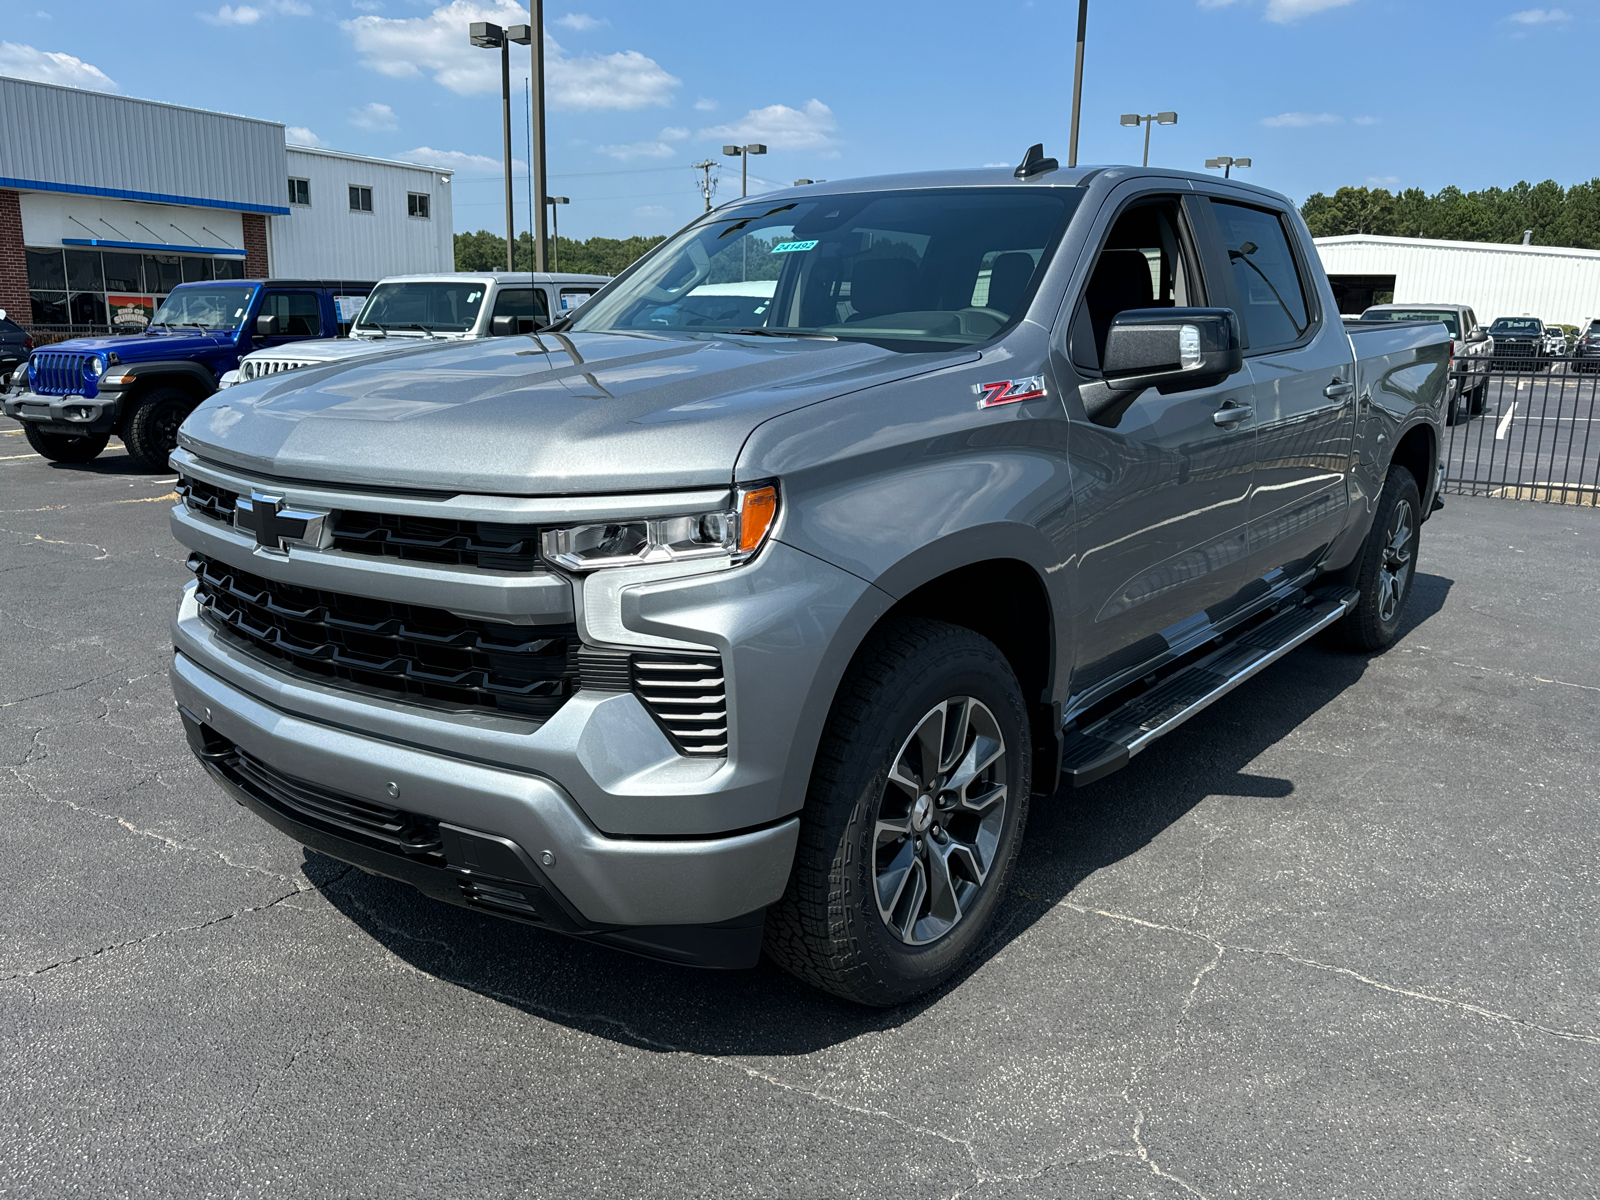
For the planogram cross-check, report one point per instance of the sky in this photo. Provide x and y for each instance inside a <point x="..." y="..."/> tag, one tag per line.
<point x="1318" y="93"/>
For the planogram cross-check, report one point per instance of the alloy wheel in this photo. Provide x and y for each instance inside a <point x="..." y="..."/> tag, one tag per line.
<point x="940" y="820"/>
<point x="1394" y="572"/>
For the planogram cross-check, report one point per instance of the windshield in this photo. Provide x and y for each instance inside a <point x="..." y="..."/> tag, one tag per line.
<point x="440" y="307"/>
<point x="1517" y="325"/>
<point x="207" y="307"/>
<point x="1444" y="316"/>
<point x="916" y="270"/>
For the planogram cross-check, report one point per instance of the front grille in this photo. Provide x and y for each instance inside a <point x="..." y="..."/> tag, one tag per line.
<point x="261" y="368"/>
<point x="687" y="695"/>
<point x="56" y="373"/>
<point x="489" y="546"/>
<point x="421" y="654"/>
<point x="392" y="828"/>
<point x="1512" y="348"/>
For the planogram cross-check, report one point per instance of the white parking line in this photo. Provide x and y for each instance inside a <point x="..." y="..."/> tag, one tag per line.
<point x="1505" y="423"/>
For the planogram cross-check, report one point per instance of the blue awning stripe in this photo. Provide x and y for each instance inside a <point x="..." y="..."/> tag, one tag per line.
<point x="163" y="246"/>
<point x="78" y="189"/>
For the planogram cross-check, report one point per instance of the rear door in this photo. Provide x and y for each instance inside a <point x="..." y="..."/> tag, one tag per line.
<point x="1300" y="359"/>
<point x="1163" y="493"/>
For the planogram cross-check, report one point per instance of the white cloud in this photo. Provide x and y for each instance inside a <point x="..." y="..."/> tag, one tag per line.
<point x="673" y="133"/>
<point x="367" y="6"/>
<point x="456" y="160"/>
<point x="405" y="48"/>
<point x="780" y="127"/>
<point x="652" y="212"/>
<point x="290" y="8"/>
<point x="998" y="164"/>
<point x="229" y="15"/>
<point x="1285" y="11"/>
<point x="705" y="105"/>
<point x="1369" y="120"/>
<point x="374" y="118"/>
<point x="1300" y="120"/>
<point x="1540" y="16"/>
<point x="1383" y="181"/>
<point x="581" y="22"/>
<point x="46" y="66"/>
<point x="632" y="150"/>
<point x="299" y="135"/>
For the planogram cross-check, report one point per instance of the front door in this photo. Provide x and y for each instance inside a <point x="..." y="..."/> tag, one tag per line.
<point x="1305" y="393"/>
<point x="1163" y="492"/>
<point x="299" y="316"/>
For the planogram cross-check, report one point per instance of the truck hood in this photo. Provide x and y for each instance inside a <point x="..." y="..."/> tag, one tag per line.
<point x="553" y="415"/>
<point x="140" y="347"/>
<point x="321" y="350"/>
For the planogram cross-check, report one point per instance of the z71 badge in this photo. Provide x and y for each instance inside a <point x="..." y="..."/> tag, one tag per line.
<point x="1009" y="391"/>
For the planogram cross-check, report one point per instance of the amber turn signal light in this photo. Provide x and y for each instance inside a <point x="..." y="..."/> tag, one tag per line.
<point x="758" y="509"/>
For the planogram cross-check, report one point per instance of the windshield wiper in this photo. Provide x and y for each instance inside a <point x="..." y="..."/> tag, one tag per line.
<point x="427" y="329"/>
<point x="782" y="333"/>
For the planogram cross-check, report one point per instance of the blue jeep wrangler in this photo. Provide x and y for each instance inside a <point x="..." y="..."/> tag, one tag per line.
<point x="142" y="386"/>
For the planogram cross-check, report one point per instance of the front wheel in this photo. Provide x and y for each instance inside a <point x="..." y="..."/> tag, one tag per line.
<point x="914" y="815"/>
<point x="150" y="430"/>
<point x="66" y="447"/>
<point x="1386" y="567"/>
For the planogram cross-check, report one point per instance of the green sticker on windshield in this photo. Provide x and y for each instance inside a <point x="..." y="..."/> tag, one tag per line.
<point x="791" y="247"/>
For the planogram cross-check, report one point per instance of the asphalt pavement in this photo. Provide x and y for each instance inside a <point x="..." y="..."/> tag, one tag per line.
<point x="1334" y="938"/>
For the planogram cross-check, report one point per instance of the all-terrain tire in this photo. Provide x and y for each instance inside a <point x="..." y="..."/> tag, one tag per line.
<point x="828" y="929"/>
<point x="150" y="430"/>
<point x="1480" y="397"/>
<point x="65" y="447"/>
<point x="1387" y="567"/>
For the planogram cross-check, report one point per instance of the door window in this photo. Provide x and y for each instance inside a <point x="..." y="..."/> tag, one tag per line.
<point x="1145" y="263"/>
<point x="1272" y="295"/>
<point x="573" y="299"/>
<point x="298" y="313"/>
<point x="528" y="305"/>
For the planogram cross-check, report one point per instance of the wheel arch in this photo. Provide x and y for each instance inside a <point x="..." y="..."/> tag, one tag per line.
<point x="1418" y="452"/>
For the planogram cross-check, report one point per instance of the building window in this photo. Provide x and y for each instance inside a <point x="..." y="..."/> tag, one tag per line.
<point x="360" y="199"/>
<point x="417" y="205"/>
<point x="299" y="191"/>
<point x="87" y="292"/>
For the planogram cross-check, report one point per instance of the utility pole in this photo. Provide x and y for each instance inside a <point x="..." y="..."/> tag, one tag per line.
<point x="487" y="36"/>
<point x="1077" y="83"/>
<point x="707" y="184"/>
<point x="533" y="35"/>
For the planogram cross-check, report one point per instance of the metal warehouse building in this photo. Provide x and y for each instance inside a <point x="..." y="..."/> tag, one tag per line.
<point x="106" y="203"/>
<point x="1555" y="283"/>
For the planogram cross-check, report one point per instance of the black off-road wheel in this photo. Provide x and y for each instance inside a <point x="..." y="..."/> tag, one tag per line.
<point x="65" y="447"/>
<point x="1386" y="568"/>
<point x="150" y="430"/>
<point x="913" y="819"/>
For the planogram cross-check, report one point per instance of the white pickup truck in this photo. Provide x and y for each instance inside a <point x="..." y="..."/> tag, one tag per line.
<point x="422" y="308"/>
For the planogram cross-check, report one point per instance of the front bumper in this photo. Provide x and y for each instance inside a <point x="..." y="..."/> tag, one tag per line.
<point x="49" y="412"/>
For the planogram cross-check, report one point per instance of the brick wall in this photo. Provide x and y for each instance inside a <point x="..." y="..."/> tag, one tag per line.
<point x="255" y="246"/>
<point x="13" y="263"/>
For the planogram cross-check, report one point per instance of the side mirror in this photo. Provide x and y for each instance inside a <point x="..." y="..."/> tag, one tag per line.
<point x="502" y="326"/>
<point x="266" y="327"/>
<point x="1171" y="349"/>
<point x="1479" y="334"/>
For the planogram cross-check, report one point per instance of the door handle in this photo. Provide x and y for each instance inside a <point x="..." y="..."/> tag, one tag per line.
<point x="1338" y="388"/>
<point x="1232" y="414"/>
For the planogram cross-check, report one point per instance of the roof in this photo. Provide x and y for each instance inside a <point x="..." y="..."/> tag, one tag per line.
<point x="500" y="277"/>
<point x="367" y="158"/>
<point x="352" y="284"/>
<point x="1371" y="239"/>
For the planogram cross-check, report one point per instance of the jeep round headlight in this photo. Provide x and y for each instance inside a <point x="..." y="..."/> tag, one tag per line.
<point x="94" y="366"/>
<point x="737" y="533"/>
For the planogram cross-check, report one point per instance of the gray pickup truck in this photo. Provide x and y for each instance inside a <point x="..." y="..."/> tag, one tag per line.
<point x="746" y="609"/>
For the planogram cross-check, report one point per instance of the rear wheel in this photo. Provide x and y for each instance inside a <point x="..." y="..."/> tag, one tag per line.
<point x="1480" y="397"/>
<point x="65" y="447"/>
<point x="913" y="819"/>
<point x="150" y="431"/>
<point x="1387" y="566"/>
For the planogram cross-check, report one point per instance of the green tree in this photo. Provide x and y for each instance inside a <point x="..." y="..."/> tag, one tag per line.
<point x="484" y="251"/>
<point x="1557" y="216"/>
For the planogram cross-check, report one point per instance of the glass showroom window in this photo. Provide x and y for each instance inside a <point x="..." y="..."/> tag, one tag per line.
<point x="360" y="198"/>
<point x="112" y="290"/>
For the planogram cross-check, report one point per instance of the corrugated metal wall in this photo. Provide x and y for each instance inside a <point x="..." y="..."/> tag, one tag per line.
<point x="1553" y="283"/>
<point x="327" y="239"/>
<point x="63" y="135"/>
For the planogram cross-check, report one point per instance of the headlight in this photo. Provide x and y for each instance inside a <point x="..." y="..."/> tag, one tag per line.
<point x="94" y="367"/>
<point x="738" y="532"/>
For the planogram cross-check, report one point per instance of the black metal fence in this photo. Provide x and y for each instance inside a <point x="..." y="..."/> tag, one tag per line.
<point x="1525" y="427"/>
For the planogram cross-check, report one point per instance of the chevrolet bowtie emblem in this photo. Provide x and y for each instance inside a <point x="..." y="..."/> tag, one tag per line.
<point x="264" y="515"/>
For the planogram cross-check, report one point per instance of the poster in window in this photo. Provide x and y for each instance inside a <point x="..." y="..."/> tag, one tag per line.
<point x="131" y="312"/>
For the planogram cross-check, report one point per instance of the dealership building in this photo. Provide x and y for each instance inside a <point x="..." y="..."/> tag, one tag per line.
<point x="1557" y="284"/>
<point x="107" y="203"/>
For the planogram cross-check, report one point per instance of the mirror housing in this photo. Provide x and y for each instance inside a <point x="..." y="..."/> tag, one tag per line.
<point x="1480" y="334"/>
<point x="506" y="326"/>
<point x="1171" y="349"/>
<point x="266" y="327"/>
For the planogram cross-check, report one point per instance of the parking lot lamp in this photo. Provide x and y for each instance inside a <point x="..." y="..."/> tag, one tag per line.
<point x="1162" y="118"/>
<point x="743" y="153"/>
<point x="487" y="36"/>
<point x="532" y="35"/>
<point x="555" y="227"/>
<point x="1227" y="164"/>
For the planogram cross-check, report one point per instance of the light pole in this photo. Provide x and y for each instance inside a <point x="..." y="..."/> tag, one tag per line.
<point x="743" y="153"/>
<point x="1133" y="119"/>
<point x="1077" y="83"/>
<point x="533" y="35"/>
<point x="1227" y="164"/>
<point x="555" y="237"/>
<point x="487" y="36"/>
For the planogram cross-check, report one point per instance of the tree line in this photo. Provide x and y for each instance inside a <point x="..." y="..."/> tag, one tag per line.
<point x="1558" y="216"/>
<point x="485" y="251"/>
